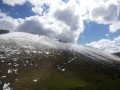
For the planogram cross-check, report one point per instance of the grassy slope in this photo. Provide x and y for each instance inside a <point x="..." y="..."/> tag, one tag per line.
<point x="75" y="75"/>
<point x="57" y="82"/>
<point x="104" y="85"/>
<point x="81" y="72"/>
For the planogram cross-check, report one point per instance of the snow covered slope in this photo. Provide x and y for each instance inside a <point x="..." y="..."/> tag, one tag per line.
<point x="17" y="40"/>
<point x="22" y="54"/>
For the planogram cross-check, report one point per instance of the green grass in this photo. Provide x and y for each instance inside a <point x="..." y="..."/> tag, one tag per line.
<point x="104" y="85"/>
<point x="57" y="81"/>
<point x="82" y="72"/>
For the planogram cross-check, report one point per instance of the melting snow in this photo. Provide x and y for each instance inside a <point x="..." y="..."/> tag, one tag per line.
<point x="9" y="63"/>
<point x="3" y="76"/>
<point x="12" y="70"/>
<point x="34" y="51"/>
<point x="3" y="61"/>
<point x="40" y="44"/>
<point x="6" y="86"/>
<point x="35" y="80"/>
<point x="31" y="41"/>
<point x="63" y="69"/>
<point x="58" y="67"/>
<point x="71" y="59"/>
<point x="34" y="43"/>
<point x="2" y="57"/>
<point x="47" y="53"/>
<point x="16" y="64"/>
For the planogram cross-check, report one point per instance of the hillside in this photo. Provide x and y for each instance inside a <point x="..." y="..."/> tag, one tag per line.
<point x="36" y="62"/>
<point x="3" y="31"/>
<point x="117" y="54"/>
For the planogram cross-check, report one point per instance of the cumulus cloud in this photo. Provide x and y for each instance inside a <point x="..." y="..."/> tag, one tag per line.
<point x="64" y="20"/>
<point x="14" y="2"/>
<point x="49" y="26"/>
<point x="61" y="20"/>
<point x="105" y="14"/>
<point x="8" y="23"/>
<point x="68" y="17"/>
<point x="107" y="45"/>
<point x="2" y="15"/>
<point x="34" y="25"/>
<point x="37" y="5"/>
<point x="115" y="27"/>
<point x="101" y="11"/>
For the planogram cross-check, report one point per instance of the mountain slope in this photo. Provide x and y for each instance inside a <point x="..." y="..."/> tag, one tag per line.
<point x="117" y="54"/>
<point x="35" y="62"/>
<point x="3" y="31"/>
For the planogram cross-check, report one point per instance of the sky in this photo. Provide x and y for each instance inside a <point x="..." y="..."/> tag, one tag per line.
<point x="94" y="23"/>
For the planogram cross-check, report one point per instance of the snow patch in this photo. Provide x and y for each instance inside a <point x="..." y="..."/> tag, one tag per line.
<point x="6" y="86"/>
<point x="12" y="71"/>
<point x="34" y="43"/>
<point x="3" y="76"/>
<point x="36" y="80"/>
<point x="63" y="69"/>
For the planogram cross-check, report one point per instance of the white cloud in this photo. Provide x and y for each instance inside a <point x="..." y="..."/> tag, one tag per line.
<point x="14" y="2"/>
<point x="107" y="45"/>
<point x="38" y="5"/>
<point x="38" y="10"/>
<point x="101" y="12"/>
<point x="50" y="26"/>
<point x="2" y="15"/>
<point x="105" y="12"/>
<point x="8" y="23"/>
<point x="68" y="17"/>
<point x="62" y="20"/>
<point x="115" y="27"/>
<point x="34" y="25"/>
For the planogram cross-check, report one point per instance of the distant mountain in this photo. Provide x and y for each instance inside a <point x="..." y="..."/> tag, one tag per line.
<point x="36" y="62"/>
<point x="117" y="54"/>
<point x="3" y="31"/>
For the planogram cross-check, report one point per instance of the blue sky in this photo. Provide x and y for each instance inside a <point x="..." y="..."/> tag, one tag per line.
<point x="68" y="20"/>
<point x="17" y="11"/>
<point x="95" y="32"/>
